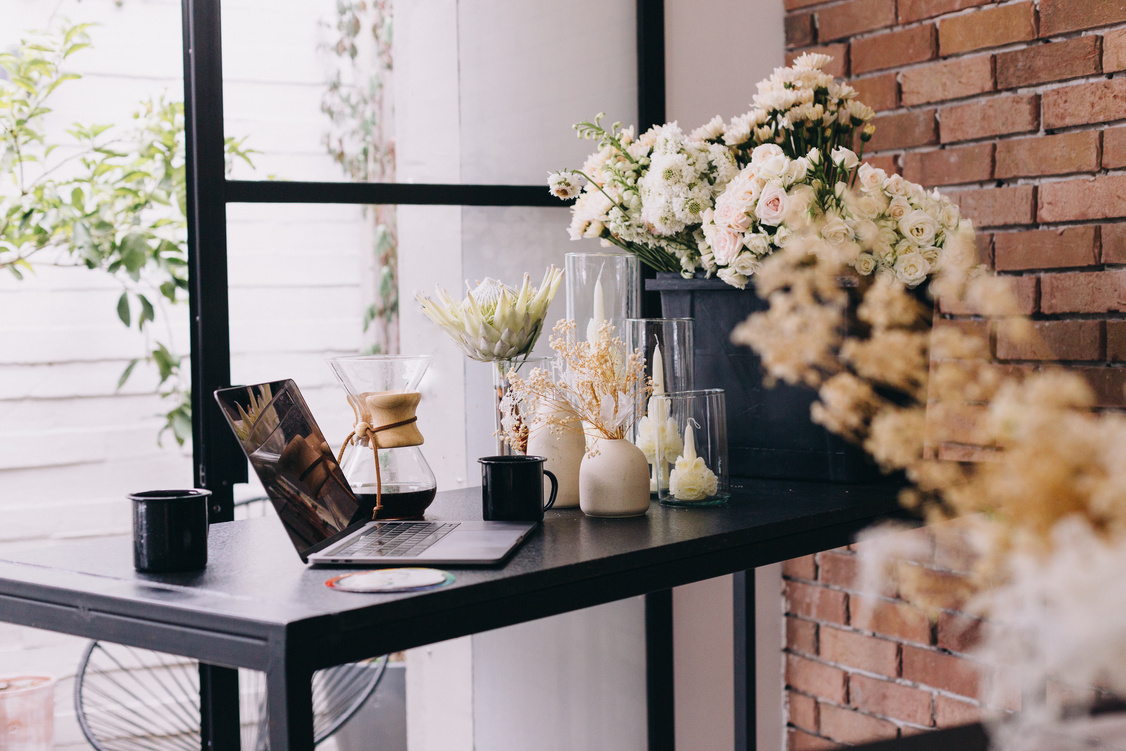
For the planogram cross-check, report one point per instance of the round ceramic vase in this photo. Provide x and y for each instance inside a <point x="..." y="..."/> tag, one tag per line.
<point x="614" y="482"/>
<point x="564" y="453"/>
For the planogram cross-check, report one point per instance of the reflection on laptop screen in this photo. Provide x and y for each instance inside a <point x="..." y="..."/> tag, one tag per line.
<point x="292" y="459"/>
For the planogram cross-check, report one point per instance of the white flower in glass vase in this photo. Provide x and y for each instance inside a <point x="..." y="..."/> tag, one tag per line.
<point x="494" y="322"/>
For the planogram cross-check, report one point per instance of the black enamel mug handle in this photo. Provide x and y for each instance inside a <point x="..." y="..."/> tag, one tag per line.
<point x="554" y="489"/>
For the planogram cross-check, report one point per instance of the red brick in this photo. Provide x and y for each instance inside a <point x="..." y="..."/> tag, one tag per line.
<point x="958" y="633"/>
<point x="801" y="711"/>
<point x="850" y="726"/>
<point x="1114" y="50"/>
<point x="890" y="700"/>
<point x="1075" y="200"/>
<point x="815" y="602"/>
<point x="854" y="17"/>
<point x="800" y="31"/>
<point x="997" y="207"/>
<point x="1025" y="291"/>
<point x="1113" y="243"/>
<point x="950" y="713"/>
<point x="1052" y="340"/>
<point x="887" y="163"/>
<point x="1059" y="16"/>
<point x="913" y="45"/>
<point x="1045" y="249"/>
<point x="954" y="548"/>
<point x="990" y="27"/>
<point x="897" y="620"/>
<point x="964" y="164"/>
<point x="860" y="651"/>
<point x="1116" y="341"/>
<point x="838" y="67"/>
<point x="816" y="678"/>
<point x="1085" y="103"/>
<point x="801" y="568"/>
<point x="797" y="740"/>
<point x="916" y="10"/>
<point x="983" y="242"/>
<point x="992" y="117"/>
<point x="839" y="569"/>
<point x="904" y="130"/>
<point x="1107" y="383"/>
<point x="942" y="671"/>
<point x="950" y="79"/>
<point x="1048" y="62"/>
<point x="878" y="92"/>
<point x="801" y="636"/>
<point x="1087" y="292"/>
<point x="1114" y="148"/>
<point x="796" y="4"/>
<point x="1048" y="155"/>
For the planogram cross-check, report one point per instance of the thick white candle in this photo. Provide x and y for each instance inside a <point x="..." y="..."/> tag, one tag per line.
<point x="598" y="316"/>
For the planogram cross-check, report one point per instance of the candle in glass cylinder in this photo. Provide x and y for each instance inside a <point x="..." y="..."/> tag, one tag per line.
<point x="598" y="317"/>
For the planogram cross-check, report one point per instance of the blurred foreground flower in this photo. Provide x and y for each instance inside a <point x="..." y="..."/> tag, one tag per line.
<point x="494" y="321"/>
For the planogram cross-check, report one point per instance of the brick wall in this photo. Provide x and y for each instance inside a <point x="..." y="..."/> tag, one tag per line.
<point x="1017" y="110"/>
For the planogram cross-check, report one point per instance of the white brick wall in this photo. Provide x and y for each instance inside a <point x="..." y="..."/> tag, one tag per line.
<point x="71" y="446"/>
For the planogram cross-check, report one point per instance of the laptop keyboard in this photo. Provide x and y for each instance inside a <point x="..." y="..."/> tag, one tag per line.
<point x="401" y="539"/>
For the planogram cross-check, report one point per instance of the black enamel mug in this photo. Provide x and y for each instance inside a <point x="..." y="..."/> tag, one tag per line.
<point x="512" y="488"/>
<point x="170" y="530"/>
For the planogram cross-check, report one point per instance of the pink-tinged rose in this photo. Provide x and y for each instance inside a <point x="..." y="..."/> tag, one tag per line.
<point x="726" y="245"/>
<point x="764" y="152"/>
<point x="772" y="205"/>
<point x="730" y="215"/>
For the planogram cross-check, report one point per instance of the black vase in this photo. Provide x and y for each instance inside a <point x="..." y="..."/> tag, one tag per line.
<point x="769" y="430"/>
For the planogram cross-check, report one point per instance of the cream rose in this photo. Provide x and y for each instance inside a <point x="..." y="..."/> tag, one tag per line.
<point x="764" y="152"/>
<point x="865" y="263"/>
<point x="836" y="231"/>
<point x="896" y="185"/>
<point x="726" y="245"/>
<point x="771" y="208"/>
<point x="730" y="215"/>
<point x="795" y="171"/>
<point x="867" y="206"/>
<point x="845" y="157"/>
<point x="871" y="178"/>
<point x="773" y="166"/>
<point x="758" y="244"/>
<point x="919" y="226"/>
<point x="801" y="200"/>
<point x="950" y="215"/>
<point x="898" y="208"/>
<point x="911" y="268"/>
<point x="733" y="277"/>
<point x="746" y="263"/>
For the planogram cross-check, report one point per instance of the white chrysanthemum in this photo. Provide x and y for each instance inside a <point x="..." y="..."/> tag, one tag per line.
<point x="710" y="131"/>
<point x="563" y="185"/>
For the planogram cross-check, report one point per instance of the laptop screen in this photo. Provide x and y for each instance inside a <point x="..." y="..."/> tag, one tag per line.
<point x="292" y="459"/>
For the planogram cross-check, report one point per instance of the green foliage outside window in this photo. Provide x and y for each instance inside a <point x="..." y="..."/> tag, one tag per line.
<point x="107" y="198"/>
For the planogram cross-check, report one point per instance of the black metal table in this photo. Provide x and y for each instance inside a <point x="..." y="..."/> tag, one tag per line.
<point x="257" y="606"/>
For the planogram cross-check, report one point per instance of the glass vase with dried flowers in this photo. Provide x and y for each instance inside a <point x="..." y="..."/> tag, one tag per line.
<point x="596" y="384"/>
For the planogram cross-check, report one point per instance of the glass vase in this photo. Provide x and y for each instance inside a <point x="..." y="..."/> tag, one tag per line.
<point x="694" y="446"/>
<point x="509" y="414"/>
<point x="602" y="287"/>
<point x="381" y="459"/>
<point x="667" y="345"/>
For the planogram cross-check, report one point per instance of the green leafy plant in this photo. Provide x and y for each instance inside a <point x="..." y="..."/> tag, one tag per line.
<point x="356" y="104"/>
<point x="110" y="199"/>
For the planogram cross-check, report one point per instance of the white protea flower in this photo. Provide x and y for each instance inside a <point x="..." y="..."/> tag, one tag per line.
<point x="494" y="321"/>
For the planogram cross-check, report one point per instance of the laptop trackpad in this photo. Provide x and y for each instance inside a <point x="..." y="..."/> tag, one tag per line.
<point x="484" y="543"/>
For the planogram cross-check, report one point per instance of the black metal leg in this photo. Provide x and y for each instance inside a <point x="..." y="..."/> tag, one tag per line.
<point x="289" y="703"/>
<point x="218" y="708"/>
<point x="744" y="602"/>
<point x="658" y="671"/>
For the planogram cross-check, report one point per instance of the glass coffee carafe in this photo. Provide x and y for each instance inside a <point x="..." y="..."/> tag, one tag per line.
<point x="381" y="456"/>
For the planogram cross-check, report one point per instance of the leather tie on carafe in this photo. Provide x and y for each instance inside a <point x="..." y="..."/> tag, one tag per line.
<point x="382" y="408"/>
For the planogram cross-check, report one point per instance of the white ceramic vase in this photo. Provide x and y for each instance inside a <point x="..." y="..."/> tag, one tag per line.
<point x="564" y="453"/>
<point x="614" y="482"/>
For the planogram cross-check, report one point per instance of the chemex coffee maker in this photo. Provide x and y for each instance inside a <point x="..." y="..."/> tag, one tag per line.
<point x="380" y="457"/>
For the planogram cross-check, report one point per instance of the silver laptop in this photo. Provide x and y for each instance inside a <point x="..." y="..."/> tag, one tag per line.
<point x="321" y="514"/>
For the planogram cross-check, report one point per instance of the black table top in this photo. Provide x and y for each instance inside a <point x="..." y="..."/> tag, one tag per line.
<point x="255" y="588"/>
